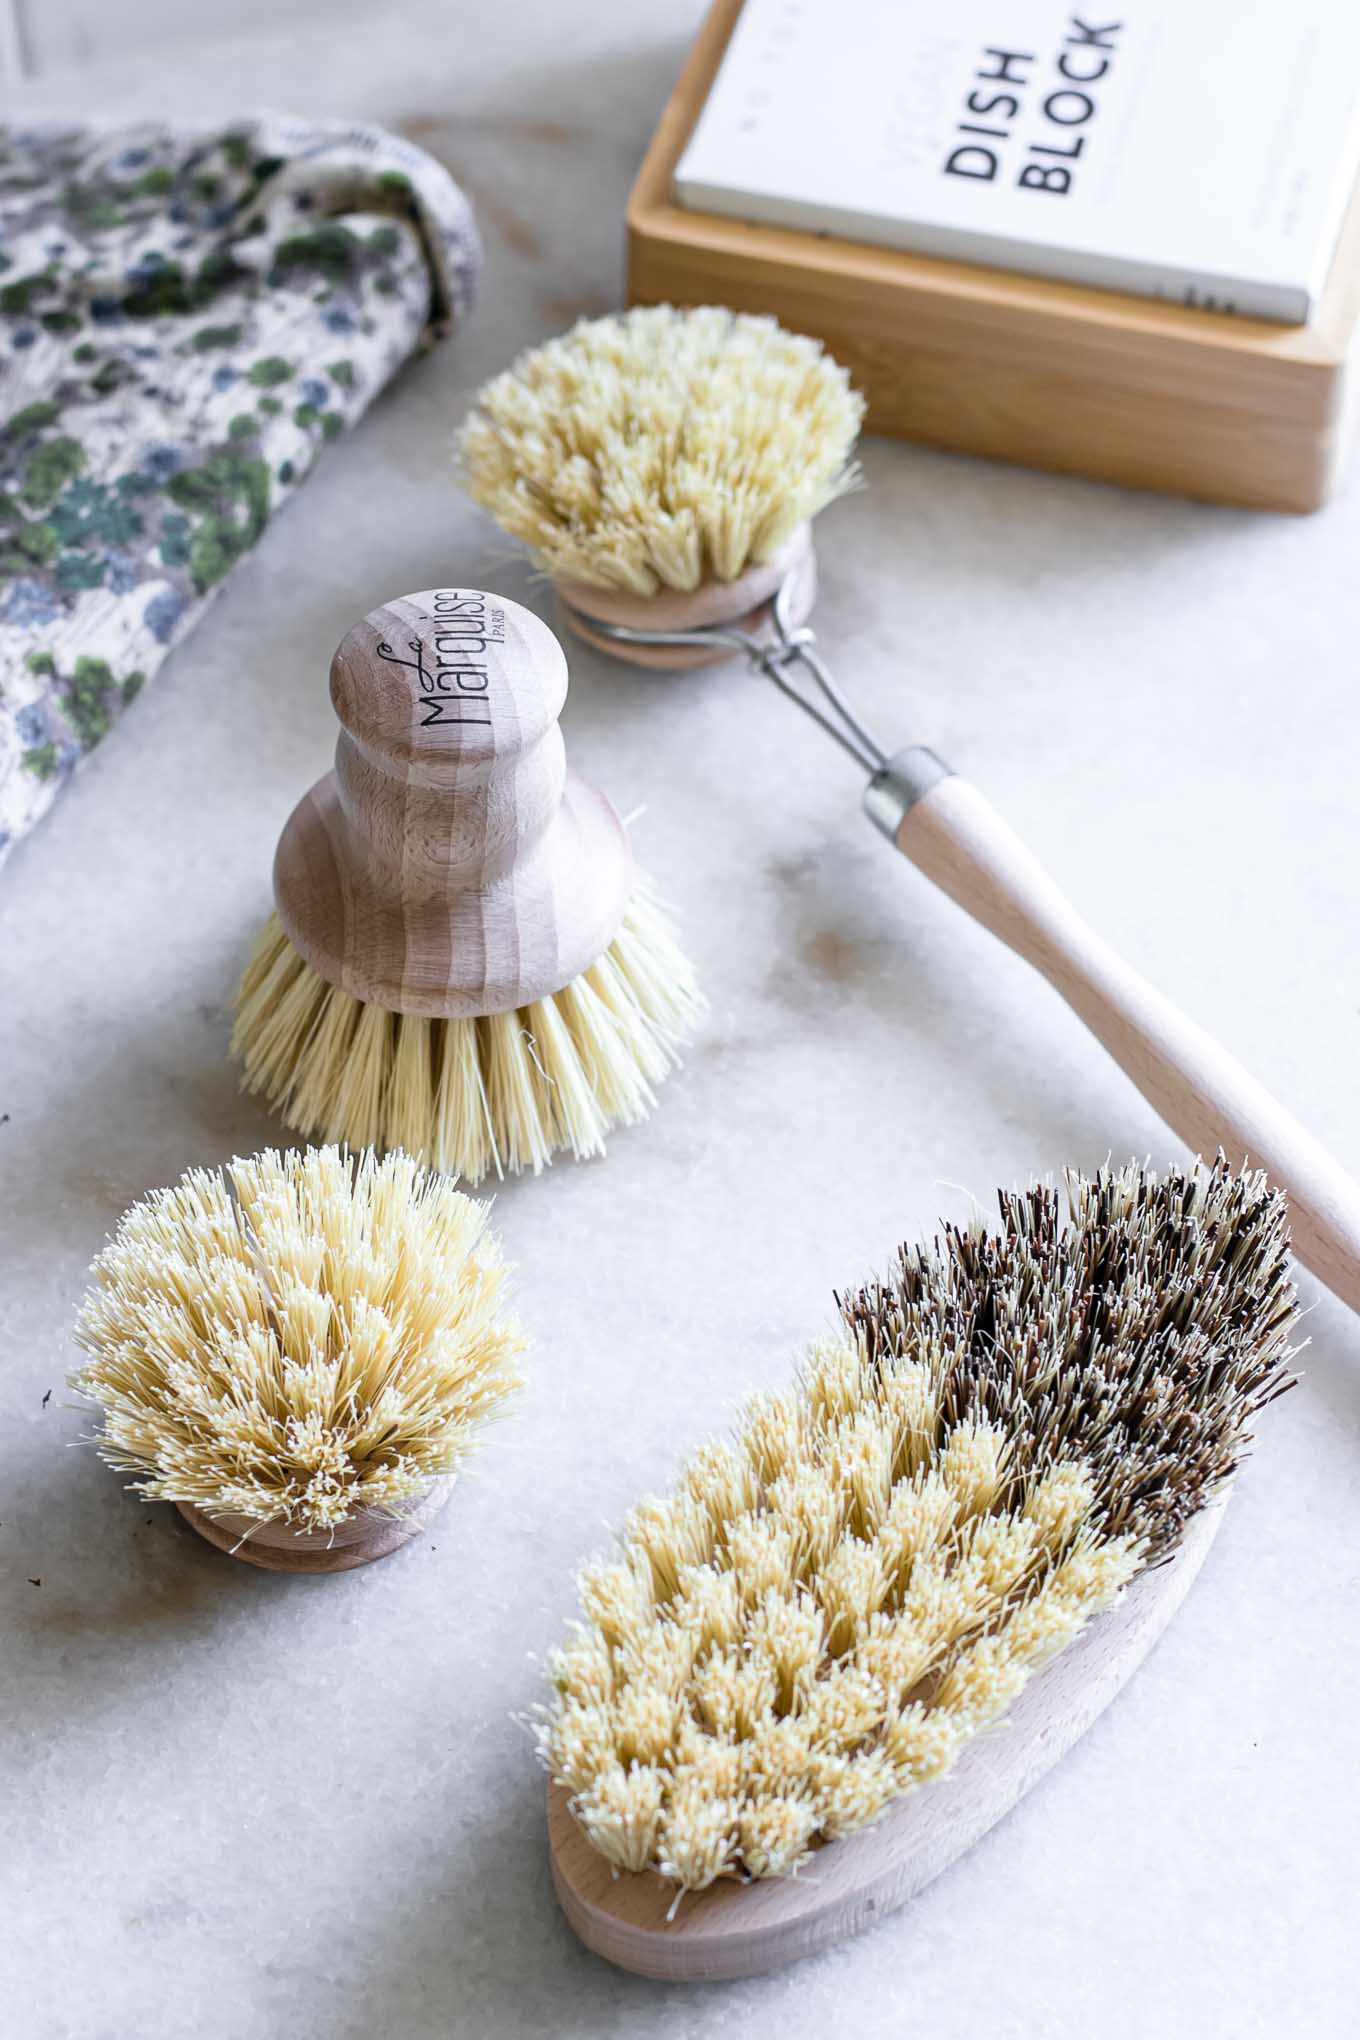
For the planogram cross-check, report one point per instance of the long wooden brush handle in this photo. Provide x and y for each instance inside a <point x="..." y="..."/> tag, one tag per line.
<point x="952" y="833"/>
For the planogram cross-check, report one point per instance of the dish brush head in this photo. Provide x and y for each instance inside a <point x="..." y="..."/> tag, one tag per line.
<point x="297" y="1339"/>
<point x="660" y="448"/>
<point x="463" y="962"/>
<point x="827" y="1610"/>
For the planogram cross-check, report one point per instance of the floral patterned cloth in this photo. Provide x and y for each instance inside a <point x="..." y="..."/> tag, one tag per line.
<point x="185" y="319"/>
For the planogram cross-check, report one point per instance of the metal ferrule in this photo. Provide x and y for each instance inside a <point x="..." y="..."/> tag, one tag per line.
<point x="895" y="789"/>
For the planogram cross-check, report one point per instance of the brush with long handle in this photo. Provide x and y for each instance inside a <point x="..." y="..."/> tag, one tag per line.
<point x="773" y="1723"/>
<point x="662" y="466"/>
<point x="463" y="962"/>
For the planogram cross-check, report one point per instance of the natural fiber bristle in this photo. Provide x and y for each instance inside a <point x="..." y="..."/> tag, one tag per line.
<point x="661" y="448"/>
<point x="468" y="1097"/>
<point x="825" y="1611"/>
<point x="297" y="1337"/>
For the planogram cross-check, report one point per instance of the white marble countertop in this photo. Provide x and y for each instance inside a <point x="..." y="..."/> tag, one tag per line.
<point x="237" y="1806"/>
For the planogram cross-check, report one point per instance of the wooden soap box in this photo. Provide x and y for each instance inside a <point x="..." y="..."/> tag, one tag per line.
<point x="1052" y="375"/>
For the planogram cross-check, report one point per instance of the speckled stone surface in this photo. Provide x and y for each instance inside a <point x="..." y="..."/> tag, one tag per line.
<point x="239" y="1806"/>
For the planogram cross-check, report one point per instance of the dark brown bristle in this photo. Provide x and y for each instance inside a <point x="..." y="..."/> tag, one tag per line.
<point x="1141" y="1338"/>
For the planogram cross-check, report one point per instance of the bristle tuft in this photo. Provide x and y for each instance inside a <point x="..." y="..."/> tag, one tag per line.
<point x="659" y="448"/>
<point x="297" y="1337"/>
<point x="823" y="1614"/>
<point x="469" y="1097"/>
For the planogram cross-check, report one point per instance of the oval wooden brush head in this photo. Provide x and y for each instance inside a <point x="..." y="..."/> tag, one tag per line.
<point x="733" y="1930"/>
<point x="450" y="864"/>
<point x="853" y="1635"/>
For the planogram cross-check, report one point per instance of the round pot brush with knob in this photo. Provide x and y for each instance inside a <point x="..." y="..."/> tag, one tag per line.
<point x="662" y="466"/>
<point x="463" y="962"/>
<point x="772" y="1725"/>
<point x="298" y="1351"/>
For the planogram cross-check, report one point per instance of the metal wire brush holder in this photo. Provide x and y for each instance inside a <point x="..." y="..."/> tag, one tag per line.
<point x="948" y="829"/>
<point x="786" y="647"/>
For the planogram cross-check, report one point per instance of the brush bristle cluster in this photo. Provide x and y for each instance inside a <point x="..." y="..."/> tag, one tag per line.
<point x="297" y="1338"/>
<point x="661" y="448"/>
<point x="828" y="1609"/>
<point x="498" y="1093"/>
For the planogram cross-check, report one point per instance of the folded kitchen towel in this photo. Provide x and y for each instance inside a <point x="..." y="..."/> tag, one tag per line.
<point x="186" y="317"/>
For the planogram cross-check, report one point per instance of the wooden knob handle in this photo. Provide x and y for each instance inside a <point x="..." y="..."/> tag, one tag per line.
<point x="451" y="864"/>
<point x="955" y="836"/>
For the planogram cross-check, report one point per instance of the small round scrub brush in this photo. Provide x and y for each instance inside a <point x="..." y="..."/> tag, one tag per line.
<point x="298" y="1351"/>
<point x="662" y="465"/>
<point x="827" y="1613"/>
<point x="658" y="454"/>
<point x="463" y="962"/>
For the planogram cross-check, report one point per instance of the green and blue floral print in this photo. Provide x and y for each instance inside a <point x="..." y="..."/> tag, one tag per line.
<point x="185" y="319"/>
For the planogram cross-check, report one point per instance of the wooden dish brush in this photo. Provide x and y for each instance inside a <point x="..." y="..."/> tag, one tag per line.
<point x="298" y="1352"/>
<point x="662" y="467"/>
<point x="463" y="962"/>
<point x="770" y="1728"/>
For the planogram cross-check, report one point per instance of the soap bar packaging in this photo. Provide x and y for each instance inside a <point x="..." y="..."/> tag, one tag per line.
<point x="1200" y="151"/>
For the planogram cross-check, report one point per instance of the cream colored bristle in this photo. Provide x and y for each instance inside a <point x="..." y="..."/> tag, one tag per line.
<point x="297" y="1337"/>
<point x="825" y="1613"/>
<point x="462" y="1120"/>
<point x="500" y="1093"/>
<point x="660" y="448"/>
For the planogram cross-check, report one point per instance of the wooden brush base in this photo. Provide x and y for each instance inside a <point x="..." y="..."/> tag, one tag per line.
<point x="1052" y="375"/>
<point x="359" y="1540"/>
<point x="745" y="604"/>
